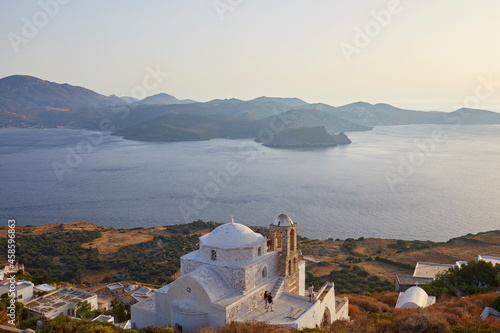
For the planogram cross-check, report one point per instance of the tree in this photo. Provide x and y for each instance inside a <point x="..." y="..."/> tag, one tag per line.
<point x="120" y="313"/>
<point x="83" y="310"/>
<point x="472" y="278"/>
<point x="496" y="303"/>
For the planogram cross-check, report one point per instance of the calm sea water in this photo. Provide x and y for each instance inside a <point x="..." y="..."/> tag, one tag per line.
<point x="403" y="182"/>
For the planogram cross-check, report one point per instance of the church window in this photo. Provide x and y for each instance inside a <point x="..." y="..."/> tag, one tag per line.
<point x="294" y="264"/>
<point x="292" y="240"/>
<point x="214" y="255"/>
<point x="264" y="272"/>
<point x="259" y="251"/>
<point x="277" y="239"/>
<point x="289" y="267"/>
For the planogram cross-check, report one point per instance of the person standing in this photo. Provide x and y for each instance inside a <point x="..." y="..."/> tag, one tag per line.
<point x="265" y="298"/>
<point x="310" y="290"/>
<point x="269" y="302"/>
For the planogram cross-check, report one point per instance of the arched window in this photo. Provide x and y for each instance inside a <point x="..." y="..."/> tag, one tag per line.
<point x="290" y="267"/>
<point x="214" y="255"/>
<point x="292" y="240"/>
<point x="294" y="264"/>
<point x="264" y="272"/>
<point x="277" y="239"/>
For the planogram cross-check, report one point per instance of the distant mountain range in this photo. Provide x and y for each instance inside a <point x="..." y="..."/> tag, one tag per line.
<point x="27" y="101"/>
<point x="165" y="99"/>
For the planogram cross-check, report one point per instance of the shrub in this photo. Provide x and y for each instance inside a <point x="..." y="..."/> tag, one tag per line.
<point x="472" y="278"/>
<point x="496" y="303"/>
<point x="428" y="322"/>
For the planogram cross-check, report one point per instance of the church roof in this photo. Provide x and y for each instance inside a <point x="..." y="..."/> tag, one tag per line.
<point x="232" y="235"/>
<point x="283" y="220"/>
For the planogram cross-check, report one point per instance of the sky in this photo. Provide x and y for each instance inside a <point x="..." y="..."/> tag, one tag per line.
<point x="426" y="54"/>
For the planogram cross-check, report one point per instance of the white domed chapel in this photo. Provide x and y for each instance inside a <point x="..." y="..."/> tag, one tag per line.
<point x="225" y="280"/>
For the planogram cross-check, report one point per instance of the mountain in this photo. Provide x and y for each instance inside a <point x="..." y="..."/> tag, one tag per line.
<point x="163" y="98"/>
<point x="26" y="101"/>
<point x="466" y="116"/>
<point x="22" y="92"/>
<point x="379" y="114"/>
<point x="176" y="127"/>
<point x="129" y="100"/>
<point x="306" y="137"/>
<point x="293" y="101"/>
<point x="291" y="119"/>
<point x="190" y="126"/>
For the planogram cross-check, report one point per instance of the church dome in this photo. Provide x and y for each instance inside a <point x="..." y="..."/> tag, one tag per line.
<point x="232" y="235"/>
<point x="283" y="220"/>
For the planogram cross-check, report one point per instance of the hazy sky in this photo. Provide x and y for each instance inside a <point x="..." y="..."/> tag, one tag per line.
<point x="424" y="54"/>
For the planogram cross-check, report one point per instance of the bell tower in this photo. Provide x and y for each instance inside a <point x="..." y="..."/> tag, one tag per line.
<point x="284" y="240"/>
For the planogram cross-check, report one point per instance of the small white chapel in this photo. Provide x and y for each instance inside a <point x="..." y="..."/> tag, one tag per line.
<point x="225" y="279"/>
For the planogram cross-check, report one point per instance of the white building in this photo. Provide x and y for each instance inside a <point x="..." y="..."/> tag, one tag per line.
<point x="61" y="301"/>
<point x="142" y="293"/>
<point x="23" y="290"/>
<point x="430" y="270"/>
<point x="105" y="319"/>
<point x="493" y="260"/>
<point x="413" y="298"/>
<point x="225" y="280"/>
<point x="43" y="288"/>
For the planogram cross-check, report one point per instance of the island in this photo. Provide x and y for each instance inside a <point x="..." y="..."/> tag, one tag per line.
<point x="306" y="137"/>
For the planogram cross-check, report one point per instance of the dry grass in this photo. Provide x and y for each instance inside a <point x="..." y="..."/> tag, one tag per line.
<point x="368" y="304"/>
<point x="487" y="243"/>
<point x="251" y="327"/>
<point x="53" y="227"/>
<point x="462" y="312"/>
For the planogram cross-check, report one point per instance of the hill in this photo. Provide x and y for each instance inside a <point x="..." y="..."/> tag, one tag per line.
<point x="291" y="119"/>
<point x="176" y="127"/>
<point x="22" y="92"/>
<point x="27" y="101"/>
<point x="163" y="98"/>
<point x="466" y="116"/>
<point x="290" y="101"/>
<point x="306" y="137"/>
<point x="98" y="253"/>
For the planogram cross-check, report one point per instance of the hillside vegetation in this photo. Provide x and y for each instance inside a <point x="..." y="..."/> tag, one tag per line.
<point x="86" y="252"/>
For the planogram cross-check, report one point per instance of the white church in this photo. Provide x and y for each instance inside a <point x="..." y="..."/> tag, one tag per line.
<point x="225" y="280"/>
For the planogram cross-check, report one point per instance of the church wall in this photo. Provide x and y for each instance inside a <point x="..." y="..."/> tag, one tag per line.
<point x="143" y="317"/>
<point x="342" y="312"/>
<point x="162" y="309"/>
<point x="179" y="292"/>
<point x="234" y="255"/>
<point x="247" y="304"/>
<point x="312" y="317"/>
<point x="187" y="266"/>
<point x="242" y="278"/>
<point x="302" y="278"/>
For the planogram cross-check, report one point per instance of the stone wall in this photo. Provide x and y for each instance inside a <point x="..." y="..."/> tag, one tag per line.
<point x="288" y="258"/>
<point x="247" y="304"/>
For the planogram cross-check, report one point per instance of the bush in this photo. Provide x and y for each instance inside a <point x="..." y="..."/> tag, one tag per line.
<point x="28" y="323"/>
<point x="428" y="322"/>
<point x="472" y="278"/>
<point x="496" y="303"/>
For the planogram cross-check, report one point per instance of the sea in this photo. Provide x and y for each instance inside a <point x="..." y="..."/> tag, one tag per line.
<point x="413" y="182"/>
